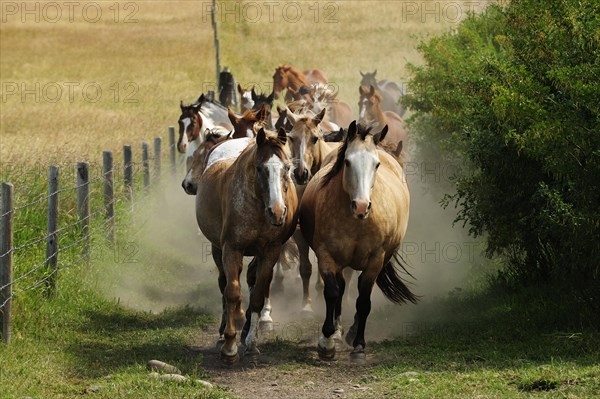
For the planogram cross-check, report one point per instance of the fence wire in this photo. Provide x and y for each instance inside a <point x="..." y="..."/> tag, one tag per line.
<point x="141" y="193"/>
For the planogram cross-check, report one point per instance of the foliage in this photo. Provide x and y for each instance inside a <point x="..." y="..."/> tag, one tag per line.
<point x="514" y="93"/>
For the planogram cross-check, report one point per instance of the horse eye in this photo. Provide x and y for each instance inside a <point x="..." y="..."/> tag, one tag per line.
<point x="377" y="166"/>
<point x="347" y="163"/>
<point x="315" y="139"/>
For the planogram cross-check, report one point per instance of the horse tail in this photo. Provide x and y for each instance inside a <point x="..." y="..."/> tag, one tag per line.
<point x="392" y="285"/>
<point x="290" y="256"/>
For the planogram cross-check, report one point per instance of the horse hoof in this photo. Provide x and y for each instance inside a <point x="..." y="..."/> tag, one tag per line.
<point x="265" y="326"/>
<point x="358" y="355"/>
<point x="230" y="360"/>
<point x="307" y="311"/>
<point x="326" y="354"/>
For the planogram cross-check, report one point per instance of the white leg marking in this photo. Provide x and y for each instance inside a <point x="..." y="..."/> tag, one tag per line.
<point x="252" y="336"/>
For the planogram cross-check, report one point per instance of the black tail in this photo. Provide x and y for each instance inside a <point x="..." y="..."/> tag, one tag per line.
<point x="392" y="286"/>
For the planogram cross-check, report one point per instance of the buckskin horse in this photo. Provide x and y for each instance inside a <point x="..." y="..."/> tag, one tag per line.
<point x="246" y="206"/>
<point x="354" y="214"/>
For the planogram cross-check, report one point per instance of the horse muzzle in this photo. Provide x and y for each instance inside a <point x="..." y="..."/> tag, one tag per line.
<point x="361" y="208"/>
<point x="276" y="214"/>
<point x="189" y="187"/>
<point x="301" y="176"/>
<point x="182" y="148"/>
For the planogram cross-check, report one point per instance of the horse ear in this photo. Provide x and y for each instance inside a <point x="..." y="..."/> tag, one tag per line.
<point x="374" y="73"/>
<point x="239" y="88"/>
<point x="201" y="98"/>
<point x="280" y="110"/>
<point x="253" y="93"/>
<point x="291" y="117"/>
<point x="232" y="117"/>
<point x="371" y="90"/>
<point x="362" y="74"/>
<point x="261" y="114"/>
<point x="351" y="131"/>
<point x="398" y="150"/>
<point x="281" y="135"/>
<point x="319" y="118"/>
<point x="181" y="105"/>
<point x="261" y="136"/>
<point x="381" y="135"/>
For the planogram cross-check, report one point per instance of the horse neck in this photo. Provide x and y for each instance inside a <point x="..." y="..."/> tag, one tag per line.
<point x="378" y="116"/>
<point x="296" y="79"/>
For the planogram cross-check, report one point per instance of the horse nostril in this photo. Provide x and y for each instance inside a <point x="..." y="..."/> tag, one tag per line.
<point x="369" y="207"/>
<point x="353" y="205"/>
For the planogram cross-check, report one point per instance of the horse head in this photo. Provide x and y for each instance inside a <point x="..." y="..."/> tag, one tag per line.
<point x="369" y="103"/>
<point x="248" y="124"/>
<point x="246" y="100"/>
<point x="358" y="161"/>
<point x="272" y="166"/>
<point x="189" y="123"/>
<point x="368" y="78"/>
<point x="304" y="137"/>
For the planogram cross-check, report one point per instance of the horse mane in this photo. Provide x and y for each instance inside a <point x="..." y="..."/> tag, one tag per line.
<point x="361" y="131"/>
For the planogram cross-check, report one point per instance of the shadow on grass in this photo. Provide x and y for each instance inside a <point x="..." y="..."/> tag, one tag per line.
<point x="113" y="339"/>
<point x="495" y="330"/>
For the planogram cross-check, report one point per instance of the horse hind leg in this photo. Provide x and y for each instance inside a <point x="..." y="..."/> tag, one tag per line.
<point x="305" y="274"/>
<point x="216" y="254"/>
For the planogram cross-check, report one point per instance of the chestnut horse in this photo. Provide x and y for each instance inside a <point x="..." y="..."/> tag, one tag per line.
<point x="391" y="92"/>
<point x="354" y="213"/>
<point x="288" y="77"/>
<point x="246" y="206"/>
<point x="370" y="113"/>
<point x="247" y="125"/>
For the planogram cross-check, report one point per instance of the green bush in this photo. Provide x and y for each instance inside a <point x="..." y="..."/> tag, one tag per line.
<point x="514" y="94"/>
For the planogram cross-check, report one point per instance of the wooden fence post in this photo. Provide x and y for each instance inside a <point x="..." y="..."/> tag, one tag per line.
<point x="109" y="193"/>
<point x="172" y="149"/>
<point x="83" y="204"/>
<point x="157" y="156"/>
<point x="145" y="165"/>
<point x="128" y="171"/>
<point x="6" y="259"/>
<point x="52" y="237"/>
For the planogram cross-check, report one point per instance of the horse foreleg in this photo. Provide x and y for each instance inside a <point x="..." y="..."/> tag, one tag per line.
<point x="232" y="265"/>
<point x="337" y="335"/>
<point x="363" y="308"/>
<point x="329" y="271"/>
<point x="264" y="275"/>
<point x="305" y="273"/>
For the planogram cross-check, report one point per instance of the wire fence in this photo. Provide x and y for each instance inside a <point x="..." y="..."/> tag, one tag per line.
<point x="69" y="245"/>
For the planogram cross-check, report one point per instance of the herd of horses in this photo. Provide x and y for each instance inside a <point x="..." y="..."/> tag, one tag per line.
<point x="310" y="177"/>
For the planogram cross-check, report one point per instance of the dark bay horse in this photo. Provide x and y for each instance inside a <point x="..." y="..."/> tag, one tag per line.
<point x="371" y="114"/>
<point x="288" y="77"/>
<point x="391" y="92"/>
<point x="246" y="206"/>
<point x="354" y="213"/>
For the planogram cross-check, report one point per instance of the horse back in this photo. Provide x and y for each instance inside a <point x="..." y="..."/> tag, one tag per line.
<point x="315" y="76"/>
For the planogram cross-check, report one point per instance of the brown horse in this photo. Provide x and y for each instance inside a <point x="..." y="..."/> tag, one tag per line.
<point x="198" y="161"/>
<point x="246" y="206"/>
<point x="370" y="113"/>
<point x="249" y="123"/>
<point x="288" y="77"/>
<point x="354" y="213"/>
<point x="391" y="92"/>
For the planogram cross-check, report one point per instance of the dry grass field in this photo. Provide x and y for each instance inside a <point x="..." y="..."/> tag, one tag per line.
<point x="80" y="79"/>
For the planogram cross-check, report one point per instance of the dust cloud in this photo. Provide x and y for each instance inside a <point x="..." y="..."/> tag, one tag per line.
<point x="169" y="262"/>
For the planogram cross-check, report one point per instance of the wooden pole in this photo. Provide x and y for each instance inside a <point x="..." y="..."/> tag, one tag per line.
<point x="6" y="259"/>
<point x="157" y="157"/>
<point x="172" y="149"/>
<point x="128" y="171"/>
<point x="146" y="164"/>
<point x="83" y="204"/>
<point x="213" y="17"/>
<point x="52" y="237"/>
<point x="109" y="193"/>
